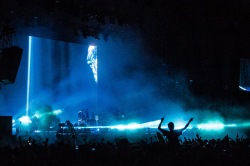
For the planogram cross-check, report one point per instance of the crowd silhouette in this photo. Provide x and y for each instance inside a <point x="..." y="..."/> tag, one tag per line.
<point x="154" y="150"/>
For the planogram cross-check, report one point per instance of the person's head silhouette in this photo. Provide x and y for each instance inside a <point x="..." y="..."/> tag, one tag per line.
<point x="171" y="126"/>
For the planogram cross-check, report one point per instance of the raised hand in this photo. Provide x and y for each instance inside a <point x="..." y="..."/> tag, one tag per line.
<point x="162" y="119"/>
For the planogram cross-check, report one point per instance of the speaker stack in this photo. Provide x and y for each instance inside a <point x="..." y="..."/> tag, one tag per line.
<point x="5" y="126"/>
<point x="10" y="59"/>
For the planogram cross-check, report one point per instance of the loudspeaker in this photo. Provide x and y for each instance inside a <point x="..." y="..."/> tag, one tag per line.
<point x="5" y="125"/>
<point x="9" y="63"/>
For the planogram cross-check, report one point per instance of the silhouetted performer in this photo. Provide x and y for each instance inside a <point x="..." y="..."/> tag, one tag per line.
<point x="172" y="135"/>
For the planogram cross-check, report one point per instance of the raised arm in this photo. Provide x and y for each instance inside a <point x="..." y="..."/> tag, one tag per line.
<point x="159" y="126"/>
<point x="190" y="120"/>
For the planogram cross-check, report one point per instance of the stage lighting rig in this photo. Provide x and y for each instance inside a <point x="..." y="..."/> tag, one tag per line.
<point x="10" y="55"/>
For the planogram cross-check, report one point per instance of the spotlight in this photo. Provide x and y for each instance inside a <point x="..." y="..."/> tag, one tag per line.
<point x="25" y="120"/>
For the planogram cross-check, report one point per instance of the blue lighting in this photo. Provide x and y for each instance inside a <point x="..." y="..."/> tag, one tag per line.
<point x="245" y="88"/>
<point x="28" y="77"/>
<point x="211" y="126"/>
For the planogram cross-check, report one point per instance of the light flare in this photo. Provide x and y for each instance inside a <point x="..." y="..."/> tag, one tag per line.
<point x="25" y="120"/>
<point x="211" y="126"/>
<point x="57" y="112"/>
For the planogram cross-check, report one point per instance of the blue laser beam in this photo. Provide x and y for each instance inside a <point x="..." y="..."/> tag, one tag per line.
<point x="209" y="126"/>
<point x="28" y="76"/>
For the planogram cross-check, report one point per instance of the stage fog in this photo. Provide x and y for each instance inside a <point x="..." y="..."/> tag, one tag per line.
<point x="116" y="82"/>
<point x="64" y="77"/>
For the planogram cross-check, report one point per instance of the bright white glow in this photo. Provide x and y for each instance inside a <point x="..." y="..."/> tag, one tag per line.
<point x="179" y="124"/>
<point x="152" y="124"/>
<point x="28" y="78"/>
<point x="211" y="126"/>
<point x="230" y="125"/>
<point x="92" y="60"/>
<point x="131" y="126"/>
<point x="25" y="120"/>
<point x="57" y="112"/>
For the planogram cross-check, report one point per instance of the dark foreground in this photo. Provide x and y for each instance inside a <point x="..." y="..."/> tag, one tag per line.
<point x="121" y="150"/>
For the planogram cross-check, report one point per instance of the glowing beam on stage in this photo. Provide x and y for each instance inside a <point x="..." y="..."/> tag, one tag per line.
<point x="245" y="124"/>
<point x="28" y="77"/>
<point x="57" y="112"/>
<point x="151" y="124"/>
<point x="231" y="125"/>
<point x="131" y="126"/>
<point x="211" y="126"/>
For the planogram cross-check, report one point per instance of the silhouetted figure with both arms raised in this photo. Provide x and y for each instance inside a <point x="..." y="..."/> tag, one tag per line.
<point x="173" y="135"/>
